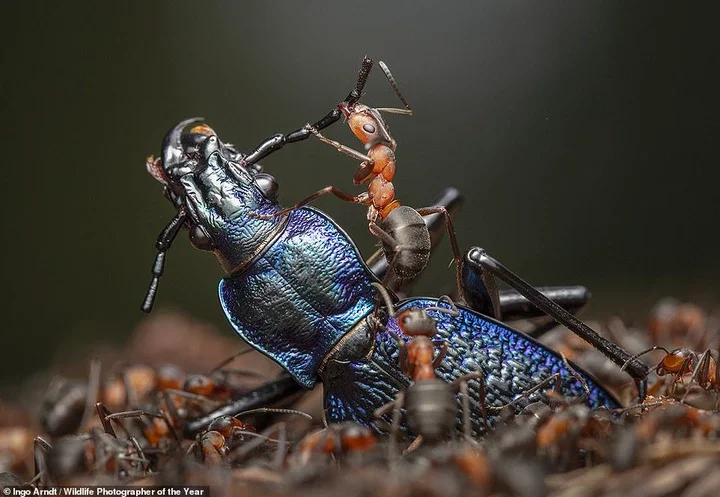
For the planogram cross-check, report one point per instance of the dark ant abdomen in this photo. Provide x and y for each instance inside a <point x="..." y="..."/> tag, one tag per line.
<point x="411" y="253"/>
<point x="431" y="409"/>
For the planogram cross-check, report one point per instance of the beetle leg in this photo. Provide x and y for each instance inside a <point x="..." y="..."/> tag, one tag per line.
<point x="480" y="289"/>
<point x="514" y="306"/>
<point x="276" y="142"/>
<point x="273" y="392"/>
<point x="478" y="259"/>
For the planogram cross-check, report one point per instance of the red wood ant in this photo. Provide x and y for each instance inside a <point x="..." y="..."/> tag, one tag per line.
<point x="430" y="402"/>
<point x="680" y="362"/>
<point x="402" y="231"/>
<point x="337" y="439"/>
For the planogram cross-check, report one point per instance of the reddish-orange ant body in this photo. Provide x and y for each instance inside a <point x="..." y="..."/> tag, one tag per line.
<point x="338" y="440"/>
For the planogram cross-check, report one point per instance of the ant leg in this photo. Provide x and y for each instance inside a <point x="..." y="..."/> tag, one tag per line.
<point x="467" y="427"/>
<point x="453" y="243"/>
<point x="397" y="415"/>
<point x="282" y="388"/>
<point x="452" y="200"/>
<point x="93" y="391"/>
<point x="576" y="375"/>
<point x="231" y="359"/>
<point x="171" y="414"/>
<point x="41" y="450"/>
<point x="701" y="374"/>
<point x="198" y="399"/>
<point x="461" y="384"/>
<point x="281" y="451"/>
<point x="717" y="380"/>
<point x="343" y="149"/>
<point x="414" y="445"/>
<point x="386" y="239"/>
<point x="396" y="408"/>
<point x="328" y="189"/>
<point x="441" y="355"/>
<point x="557" y="386"/>
<point x="106" y="418"/>
<point x="403" y="359"/>
<point x="482" y="262"/>
<point x="103" y="413"/>
<point x="241" y="452"/>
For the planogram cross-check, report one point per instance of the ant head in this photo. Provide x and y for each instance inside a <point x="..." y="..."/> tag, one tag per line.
<point x="417" y="322"/>
<point x="368" y="126"/>
<point x="356" y="437"/>
<point x="199" y="384"/>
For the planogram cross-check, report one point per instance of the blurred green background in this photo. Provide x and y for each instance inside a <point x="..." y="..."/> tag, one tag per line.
<point x="580" y="133"/>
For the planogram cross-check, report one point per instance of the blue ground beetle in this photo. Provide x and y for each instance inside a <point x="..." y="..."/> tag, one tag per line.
<point x="298" y="291"/>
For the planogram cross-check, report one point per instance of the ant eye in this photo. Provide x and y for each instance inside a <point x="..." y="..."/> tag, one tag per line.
<point x="369" y="128"/>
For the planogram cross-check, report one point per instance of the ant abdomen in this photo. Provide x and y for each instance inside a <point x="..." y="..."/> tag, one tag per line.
<point x="411" y="252"/>
<point x="431" y="409"/>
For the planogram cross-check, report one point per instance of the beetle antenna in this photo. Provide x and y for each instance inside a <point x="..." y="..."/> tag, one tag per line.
<point x="386" y="297"/>
<point x="163" y="243"/>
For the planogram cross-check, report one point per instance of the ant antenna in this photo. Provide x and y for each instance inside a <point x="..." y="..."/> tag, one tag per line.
<point x="386" y="297"/>
<point x="640" y="354"/>
<point x="231" y="359"/>
<point x="163" y="243"/>
<point x="275" y="410"/>
<point x="577" y="376"/>
<point x="453" y="311"/>
<point x="407" y="111"/>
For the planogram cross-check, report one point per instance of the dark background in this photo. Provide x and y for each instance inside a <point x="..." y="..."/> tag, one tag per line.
<point x="580" y="133"/>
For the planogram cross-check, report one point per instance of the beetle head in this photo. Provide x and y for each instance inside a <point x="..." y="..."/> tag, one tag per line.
<point x="214" y="193"/>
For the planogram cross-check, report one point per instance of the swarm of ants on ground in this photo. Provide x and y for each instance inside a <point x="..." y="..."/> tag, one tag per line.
<point x="125" y="423"/>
